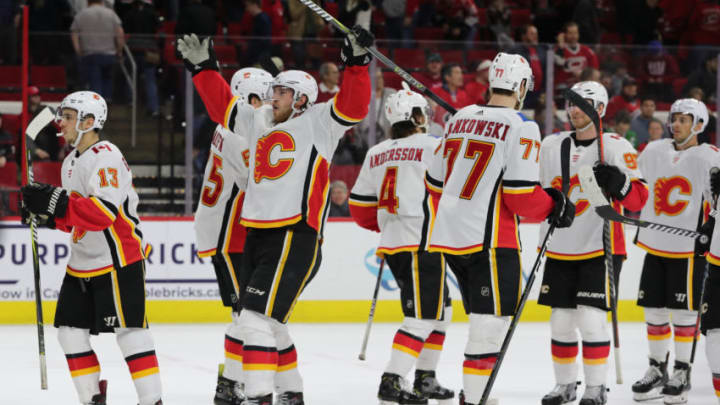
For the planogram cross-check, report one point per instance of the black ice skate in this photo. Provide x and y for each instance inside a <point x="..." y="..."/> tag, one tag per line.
<point x="392" y="392"/>
<point x="677" y="388"/>
<point x="594" y="395"/>
<point x="561" y="394"/>
<point x="290" y="398"/>
<point x="650" y="386"/>
<point x="228" y="392"/>
<point x="266" y="400"/>
<point x="427" y="384"/>
<point x="99" y="399"/>
<point x="490" y="401"/>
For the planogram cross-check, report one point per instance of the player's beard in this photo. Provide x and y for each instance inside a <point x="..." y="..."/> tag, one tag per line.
<point x="281" y="116"/>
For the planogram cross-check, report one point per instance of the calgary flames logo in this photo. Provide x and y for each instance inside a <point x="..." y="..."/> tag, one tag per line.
<point x="264" y="167"/>
<point x="664" y="186"/>
<point x="581" y="204"/>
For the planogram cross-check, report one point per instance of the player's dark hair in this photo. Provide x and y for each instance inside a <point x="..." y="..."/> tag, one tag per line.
<point x="404" y="129"/>
<point x="502" y="92"/>
<point x="253" y="96"/>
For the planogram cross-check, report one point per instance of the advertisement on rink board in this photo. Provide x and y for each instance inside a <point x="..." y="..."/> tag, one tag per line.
<point x="175" y="273"/>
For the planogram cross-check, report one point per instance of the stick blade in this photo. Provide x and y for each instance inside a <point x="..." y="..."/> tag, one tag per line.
<point x="590" y="187"/>
<point x="46" y="116"/>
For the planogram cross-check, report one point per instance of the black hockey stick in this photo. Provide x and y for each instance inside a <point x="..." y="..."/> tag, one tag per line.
<point x="590" y="111"/>
<point x="565" y="171"/>
<point x="382" y="58"/>
<point x="363" y="348"/>
<point x="45" y="117"/>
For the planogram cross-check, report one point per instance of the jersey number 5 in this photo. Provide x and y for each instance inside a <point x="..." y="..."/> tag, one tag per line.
<point x="210" y="196"/>
<point x="388" y="191"/>
<point x="480" y="151"/>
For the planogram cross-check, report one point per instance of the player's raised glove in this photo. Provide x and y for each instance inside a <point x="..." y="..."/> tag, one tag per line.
<point x="706" y="229"/>
<point x="354" y="50"/>
<point x="612" y="180"/>
<point x="197" y="55"/>
<point x="563" y="213"/>
<point x="42" y="220"/>
<point x="44" y="199"/>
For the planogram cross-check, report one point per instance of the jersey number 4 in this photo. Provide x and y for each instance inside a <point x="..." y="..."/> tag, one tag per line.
<point x="388" y="191"/>
<point x="479" y="151"/>
<point x="210" y="195"/>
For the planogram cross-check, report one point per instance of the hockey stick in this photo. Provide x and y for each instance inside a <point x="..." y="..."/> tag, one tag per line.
<point x="363" y="348"/>
<point x="590" y="111"/>
<point x="602" y="207"/>
<point x="382" y="58"/>
<point x="45" y="117"/>
<point x="565" y="170"/>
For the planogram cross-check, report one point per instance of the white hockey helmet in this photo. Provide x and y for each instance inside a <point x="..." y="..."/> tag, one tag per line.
<point x="400" y="105"/>
<point x="594" y="91"/>
<point x="86" y="103"/>
<point x="249" y="81"/>
<point x="692" y="107"/>
<point x="302" y="83"/>
<point x="508" y="72"/>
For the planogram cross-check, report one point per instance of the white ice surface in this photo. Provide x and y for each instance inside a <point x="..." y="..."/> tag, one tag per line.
<point x="189" y="355"/>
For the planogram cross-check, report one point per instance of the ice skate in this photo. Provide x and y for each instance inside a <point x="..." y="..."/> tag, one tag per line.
<point x="228" y="392"/>
<point x="594" y="395"/>
<point x="677" y="387"/>
<point x="561" y="394"/>
<point x="427" y="384"/>
<point x="290" y="398"/>
<point x="392" y="392"/>
<point x="490" y="401"/>
<point x="99" y="399"/>
<point x="266" y="400"/>
<point x="650" y="386"/>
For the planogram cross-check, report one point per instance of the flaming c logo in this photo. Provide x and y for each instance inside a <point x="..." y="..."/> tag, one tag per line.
<point x="664" y="186"/>
<point x="264" y="167"/>
<point x="581" y="204"/>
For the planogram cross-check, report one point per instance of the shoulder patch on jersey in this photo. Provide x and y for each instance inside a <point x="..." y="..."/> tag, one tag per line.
<point x="523" y="117"/>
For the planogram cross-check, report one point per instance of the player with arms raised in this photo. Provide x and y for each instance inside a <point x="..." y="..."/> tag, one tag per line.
<point x="575" y="283"/>
<point x="217" y="222"/>
<point x="483" y="178"/>
<point x="678" y="172"/>
<point x="286" y="202"/>
<point x="389" y="196"/>
<point x="104" y="288"/>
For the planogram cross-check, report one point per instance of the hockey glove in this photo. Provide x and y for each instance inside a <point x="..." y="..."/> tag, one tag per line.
<point x="42" y="220"/>
<point x="715" y="182"/>
<point x="44" y="199"/>
<point x="612" y="181"/>
<point x="354" y="50"/>
<point x="705" y="229"/>
<point x="197" y="55"/>
<point x="563" y="214"/>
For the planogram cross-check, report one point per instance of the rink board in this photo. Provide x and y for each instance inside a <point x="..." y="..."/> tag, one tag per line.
<point x="181" y="287"/>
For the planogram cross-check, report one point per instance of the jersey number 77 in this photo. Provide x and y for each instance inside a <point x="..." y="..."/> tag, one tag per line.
<point x="479" y="151"/>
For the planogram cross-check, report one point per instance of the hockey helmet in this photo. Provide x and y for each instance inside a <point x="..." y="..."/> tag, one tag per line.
<point x="400" y="105"/>
<point x="594" y="91"/>
<point x="86" y="103"/>
<point x="301" y="83"/>
<point x="692" y="107"/>
<point x="508" y="71"/>
<point x="248" y="81"/>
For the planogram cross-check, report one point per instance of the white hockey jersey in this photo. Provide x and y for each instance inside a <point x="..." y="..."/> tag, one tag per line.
<point x="217" y="219"/>
<point x="102" y="212"/>
<point x="390" y="192"/>
<point x="488" y="175"/>
<point x="679" y="183"/>
<point x="584" y="239"/>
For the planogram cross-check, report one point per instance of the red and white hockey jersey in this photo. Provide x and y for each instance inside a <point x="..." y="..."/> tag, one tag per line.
<point x="389" y="193"/>
<point x="217" y="219"/>
<point x="584" y="239"/>
<point x="290" y="181"/>
<point x="486" y="176"/>
<point x="678" y="181"/>
<point x="101" y="213"/>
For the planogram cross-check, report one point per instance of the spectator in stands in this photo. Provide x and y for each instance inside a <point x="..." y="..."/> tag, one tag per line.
<point x="536" y="55"/>
<point x="477" y="89"/>
<point x="47" y="144"/>
<point x="303" y="23"/>
<point x="709" y="134"/>
<point x="590" y="74"/>
<point x="376" y="116"/>
<point x="656" y="130"/>
<point x="676" y="15"/>
<point x="627" y="100"/>
<point x="586" y="16"/>
<point x="640" y="125"/>
<point x="7" y="146"/>
<point x="98" y="39"/>
<point x="703" y="28"/>
<point x="142" y="25"/>
<point x="396" y="20"/>
<point x="539" y="117"/>
<point x="657" y="70"/>
<point x="645" y="21"/>
<point x="9" y="23"/>
<point x="498" y="18"/>
<point x="259" y="45"/>
<point x="339" y="199"/>
<point x="329" y="82"/>
<point x="196" y="18"/>
<point x="351" y="149"/>
<point x="571" y="57"/>
<point x="705" y="77"/>
<point x="45" y="20"/>
<point x="622" y="125"/>
<point x="432" y="76"/>
<point x="606" y="79"/>
<point x="451" y="91"/>
<point x="354" y="12"/>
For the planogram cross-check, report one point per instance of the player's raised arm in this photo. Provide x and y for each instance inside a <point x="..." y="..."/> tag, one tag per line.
<point x="351" y="103"/>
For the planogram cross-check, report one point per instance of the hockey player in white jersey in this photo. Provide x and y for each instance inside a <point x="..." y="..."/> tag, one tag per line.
<point x="389" y="196"/>
<point x="575" y="282"/>
<point x="219" y="233"/>
<point x="104" y="288"/>
<point x="485" y="176"/>
<point x="678" y="173"/>
<point x="711" y="301"/>
<point x="286" y="202"/>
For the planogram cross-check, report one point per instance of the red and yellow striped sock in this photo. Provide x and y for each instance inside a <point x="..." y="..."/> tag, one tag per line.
<point x="288" y="377"/>
<point x="233" y="358"/>
<point x="564" y="355"/>
<point x="476" y="372"/>
<point x="430" y="354"/>
<point x="82" y="364"/>
<point x="405" y="351"/>
<point x="716" y="384"/>
<point x="658" y="340"/>
<point x="145" y="373"/>
<point x="260" y="365"/>
<point x="595" y="355"/>
<point x="287" y="359"/>
<point x="683" y="341"/>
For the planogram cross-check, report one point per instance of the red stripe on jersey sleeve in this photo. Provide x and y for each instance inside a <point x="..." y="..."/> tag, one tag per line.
<point x="636" y="198"/>
<point x="89" y="214"/>
<point x="365" y="216"/>
<point x="535" y="205"/>
<point x="353" y="99"/>
<point x="215" y="93"/>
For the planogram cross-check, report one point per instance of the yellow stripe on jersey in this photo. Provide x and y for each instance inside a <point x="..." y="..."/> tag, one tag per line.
<point x="88" y="273"/>
<point x="253" y="223"/>
<point x="416" y="285"/>
<point x="573" y="256"/>
<point x="102" y="208"/>
<point x="228" y="110"/>
<point x="495" y="281"/>
<point x="118" y="246"/>
<point x="341" y="115"/>
<point x="358" y="203"/>
<point x="279" y="272"/>
<point x="712" y="259"/>
<point x="664" y="253"/>
<point x="206" y="253"/>
<point x="441" y="295"/>
<point x="305" y="279"/>
<point x="431" y="187"/>
<point x="382" y="250"/>
<point x="117" y="299"/>
<point x="690" y="284"/>
<point x="518" y="190"/>
<point x="455" y="251"/>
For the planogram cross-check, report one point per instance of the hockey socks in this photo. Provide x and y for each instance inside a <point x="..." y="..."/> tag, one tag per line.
<point x="260" y="356"/>
<point x="658" y="332"/>
<point x="232" y="369"/>
<point x="712" y="351"/>
<point x="82" y="361"/>
<point x="564" y="345"/>
<point x="138" y="349"/>
<point x="595" y="356"/>
<point x="407" y="345"/>
<point x="481" y="353"/>
<point x="432" y="348"/>
<point x="683" y="329"/>
<point x="287" y="378"/>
